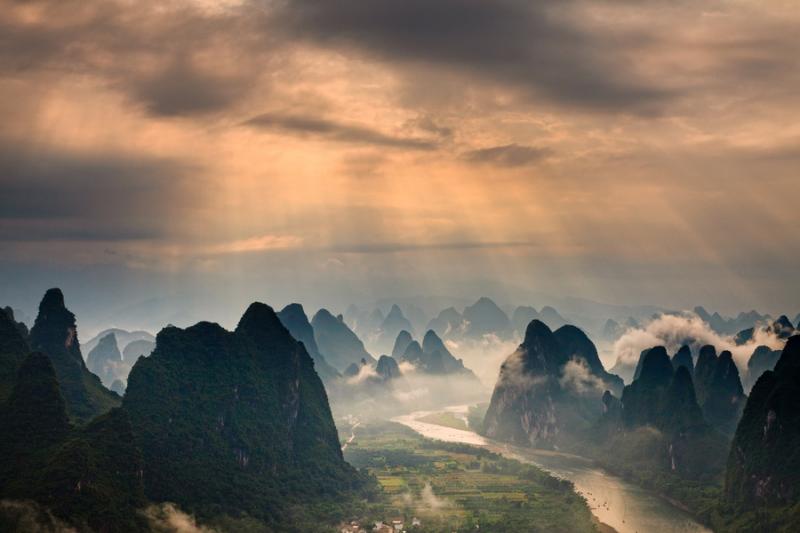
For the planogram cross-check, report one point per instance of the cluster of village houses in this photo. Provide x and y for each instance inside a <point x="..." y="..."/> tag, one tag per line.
<point x="396" y="525"/>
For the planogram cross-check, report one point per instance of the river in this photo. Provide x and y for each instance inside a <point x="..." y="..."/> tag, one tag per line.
<point x="614" y="501"/>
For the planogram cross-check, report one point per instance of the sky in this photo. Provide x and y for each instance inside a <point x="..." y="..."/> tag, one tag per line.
<point x="625" y="151"/>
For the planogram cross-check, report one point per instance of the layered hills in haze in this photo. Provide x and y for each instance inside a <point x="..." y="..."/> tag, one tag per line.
<point x="340" y="345"/>
<point x="431" y="357"/>
<point x="294" y="318"/>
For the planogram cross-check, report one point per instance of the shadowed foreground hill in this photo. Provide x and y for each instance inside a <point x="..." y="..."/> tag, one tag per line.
<point x="13" y="349"/>
<point x="233" y="422"/>
<point x="88" y="476"/>
<point x="762" y="484"/>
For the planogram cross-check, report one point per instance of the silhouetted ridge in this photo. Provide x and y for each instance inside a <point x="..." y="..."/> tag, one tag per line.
<point x="236" y="421"/>
<point x="54" y="333"/>
<point x="53" y="300"/>
<point x="260" y="322"/>
<point x="656" y="367"/>
<point x="683" y="357"/>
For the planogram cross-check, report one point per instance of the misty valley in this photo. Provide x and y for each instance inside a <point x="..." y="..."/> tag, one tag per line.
<point x="402" y="416"/>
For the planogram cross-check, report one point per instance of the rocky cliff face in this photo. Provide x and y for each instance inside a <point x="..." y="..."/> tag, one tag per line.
<point x="55" y="334"/>
<point x="546" y="389"/>
<point x="235" y="421"/>
<point x="764" y="464"/>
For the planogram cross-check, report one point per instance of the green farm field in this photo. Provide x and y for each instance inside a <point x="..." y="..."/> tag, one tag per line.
<point x="454" y="487"/>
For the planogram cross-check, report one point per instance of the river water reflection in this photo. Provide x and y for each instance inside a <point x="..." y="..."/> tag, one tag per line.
<point x="622" y="505"/>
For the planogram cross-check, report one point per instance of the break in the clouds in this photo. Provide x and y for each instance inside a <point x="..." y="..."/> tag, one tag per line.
<point x="588" y="147"/>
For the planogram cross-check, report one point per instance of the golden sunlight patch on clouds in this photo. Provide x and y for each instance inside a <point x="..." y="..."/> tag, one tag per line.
<point x="254" y="244"/>
<point x="286" y="145"/>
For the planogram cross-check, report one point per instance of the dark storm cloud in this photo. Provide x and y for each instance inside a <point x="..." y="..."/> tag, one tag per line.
<point x="529" y="45"/>
<point x="179" y="89"/>
<point x="336" y="131"/>
<point x="50" y="194"/>
<point x="184" y="59"/>
<point x="171" y="60"/>
<point x="509" y="155"/>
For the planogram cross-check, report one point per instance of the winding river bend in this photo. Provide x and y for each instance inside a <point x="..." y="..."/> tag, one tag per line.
<point x="622" y="505"/>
